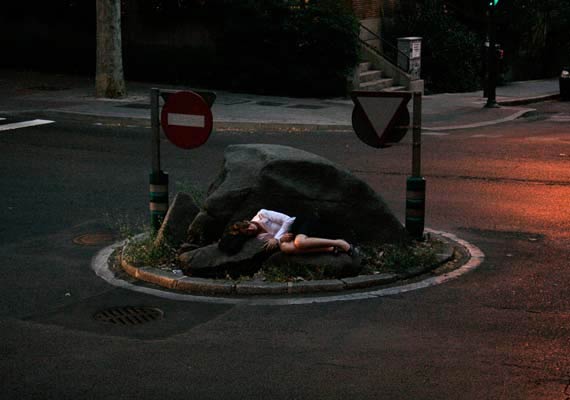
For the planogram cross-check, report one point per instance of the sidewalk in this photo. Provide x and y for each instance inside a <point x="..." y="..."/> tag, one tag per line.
<point x="21" y="91"/>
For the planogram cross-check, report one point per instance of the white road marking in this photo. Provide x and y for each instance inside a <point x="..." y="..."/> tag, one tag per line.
<point x="518" y="112"/>
<point x="25" y="124"/>
<point x="196" y="121"/>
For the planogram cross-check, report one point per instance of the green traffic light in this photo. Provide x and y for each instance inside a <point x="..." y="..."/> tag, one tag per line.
<point x="493" y="3"/>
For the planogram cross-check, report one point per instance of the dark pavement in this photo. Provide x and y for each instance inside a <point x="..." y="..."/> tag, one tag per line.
<point x="499" y="332"/>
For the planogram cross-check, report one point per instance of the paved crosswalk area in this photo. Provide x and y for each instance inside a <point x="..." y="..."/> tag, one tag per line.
<point x="8" y="124"/>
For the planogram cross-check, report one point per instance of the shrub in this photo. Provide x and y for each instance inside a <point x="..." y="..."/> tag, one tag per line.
<point x="273" y="46"/>
<point x="451" y="54"/>
<point x="276" y="47"/>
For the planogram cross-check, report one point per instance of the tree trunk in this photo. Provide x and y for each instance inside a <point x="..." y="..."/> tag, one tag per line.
<point x="109" y="78"/>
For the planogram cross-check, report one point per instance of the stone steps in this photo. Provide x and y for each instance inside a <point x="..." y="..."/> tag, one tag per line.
<point x="395" y="89"/>
<point x="370" y="75"/>
<point x="371" y="79"/>
<point x="378" y="84"/>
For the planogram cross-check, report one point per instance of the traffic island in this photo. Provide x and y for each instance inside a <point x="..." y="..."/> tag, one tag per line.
<point x="381" y="267"/>
<point x="204" y="247"/>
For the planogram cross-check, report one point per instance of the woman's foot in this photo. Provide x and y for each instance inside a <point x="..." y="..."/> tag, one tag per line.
<point x="342" y="246"/>
<point x="353" y="251"/>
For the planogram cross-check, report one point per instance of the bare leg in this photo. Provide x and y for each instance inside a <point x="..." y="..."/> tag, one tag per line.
<point x="290" y="248"/>
<point x="304" y="242"/>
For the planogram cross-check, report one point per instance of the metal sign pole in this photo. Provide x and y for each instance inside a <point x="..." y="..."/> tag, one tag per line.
<point x="155" y="143"/>
<point x="417" y="136"/>
<point x="158" y="179"/>
<point x="416" y="184"/>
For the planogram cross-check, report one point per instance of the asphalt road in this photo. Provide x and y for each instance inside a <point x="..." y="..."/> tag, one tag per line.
<point x="501" y="331"/>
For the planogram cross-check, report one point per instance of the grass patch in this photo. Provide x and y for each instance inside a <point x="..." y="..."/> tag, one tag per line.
<point x="144" y="251"/>
<point x="399" y="258"/>
<point x="125" y="225"/>
<point x="292" y="273"/>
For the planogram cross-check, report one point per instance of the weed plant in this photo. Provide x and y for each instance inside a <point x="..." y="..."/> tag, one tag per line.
<point x="147" y="251"/>
<point x="293" y="272"/>
<point x="399" y="258"/>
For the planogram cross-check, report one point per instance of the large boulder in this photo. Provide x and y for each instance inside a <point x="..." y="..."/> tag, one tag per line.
<point x="294" y="182"/>
<point x="210" y="262"/>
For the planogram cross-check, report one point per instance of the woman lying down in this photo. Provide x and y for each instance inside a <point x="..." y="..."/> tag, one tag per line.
<point x="292" y="235"/>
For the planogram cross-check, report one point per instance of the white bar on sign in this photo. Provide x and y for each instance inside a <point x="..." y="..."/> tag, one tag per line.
<point x="24" y="124"/>
<point x="192" y="120"/>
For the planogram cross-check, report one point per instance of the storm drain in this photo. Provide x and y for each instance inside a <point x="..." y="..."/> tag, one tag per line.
<point x="129" y="315"/>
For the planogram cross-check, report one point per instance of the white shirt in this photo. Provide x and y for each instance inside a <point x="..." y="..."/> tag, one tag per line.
<point x="275" y="223"/>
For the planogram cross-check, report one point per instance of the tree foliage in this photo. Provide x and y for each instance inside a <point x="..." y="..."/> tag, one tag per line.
<point x="536" y="34"/>
<point x="451" y="53"/>
<point x="281" y="47"/>
<point x="277" y="46"/>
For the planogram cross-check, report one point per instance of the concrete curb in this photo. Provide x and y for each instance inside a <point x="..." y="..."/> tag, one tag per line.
<point x="222" y="125"/>
<point x="315" y="126"/>
<point x="511" y="117"/>
<point x="529" y="100"/>
<point x="201" y="288"/>
<point x="281" y="126"/>
<point x="100" y="265"/>
<point x="204" y="286"/>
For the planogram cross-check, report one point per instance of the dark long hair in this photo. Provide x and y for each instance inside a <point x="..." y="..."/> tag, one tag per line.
<point x="234" y="237"/>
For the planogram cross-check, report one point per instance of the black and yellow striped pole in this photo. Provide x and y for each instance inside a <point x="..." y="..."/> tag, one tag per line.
<point x="416" y="184"/>
<point x="158" y="198"/>
<point x="158" y="179"/>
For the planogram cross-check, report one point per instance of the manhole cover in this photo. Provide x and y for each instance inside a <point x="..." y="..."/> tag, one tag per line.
<point x="129" y="315"/>
<point x="92" y="239"/>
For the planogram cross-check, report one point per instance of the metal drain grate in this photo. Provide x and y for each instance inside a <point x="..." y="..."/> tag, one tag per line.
<point x="129" y="315"/>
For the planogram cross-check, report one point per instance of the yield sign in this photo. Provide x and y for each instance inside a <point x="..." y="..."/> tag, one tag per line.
<point x="186" y="119"/>
<point x="380" y="118"/>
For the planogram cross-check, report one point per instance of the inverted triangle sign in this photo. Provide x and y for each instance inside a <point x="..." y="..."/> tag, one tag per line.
<point x="379" y="118"/>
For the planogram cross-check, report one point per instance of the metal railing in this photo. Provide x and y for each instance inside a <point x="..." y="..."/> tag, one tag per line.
<point x="375" y="43"/>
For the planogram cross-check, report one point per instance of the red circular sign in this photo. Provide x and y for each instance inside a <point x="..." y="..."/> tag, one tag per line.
<point x="186" y="119"/>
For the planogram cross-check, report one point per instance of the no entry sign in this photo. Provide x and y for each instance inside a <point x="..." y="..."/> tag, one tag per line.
<point x="186" y="119"/>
